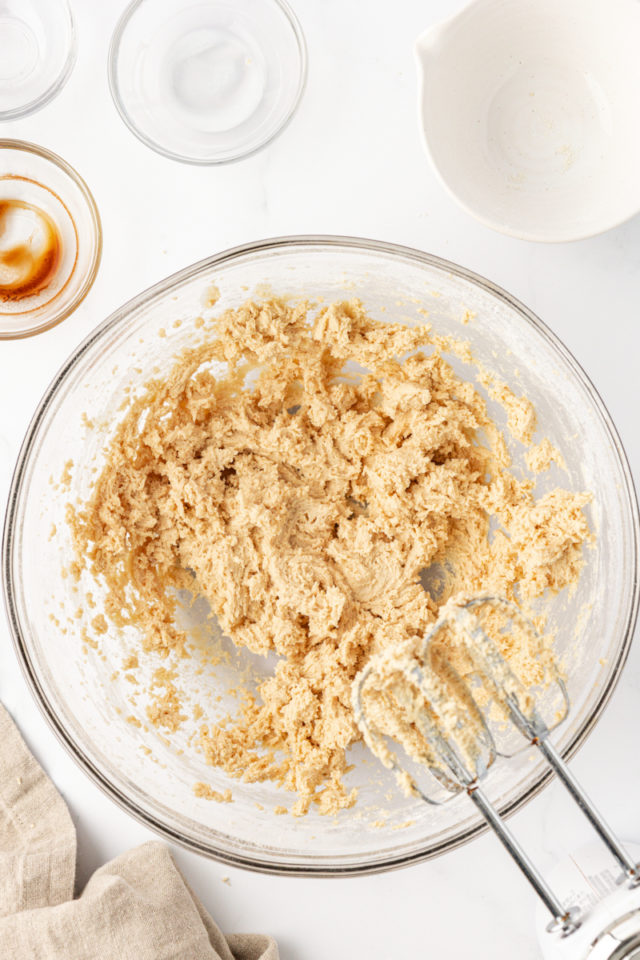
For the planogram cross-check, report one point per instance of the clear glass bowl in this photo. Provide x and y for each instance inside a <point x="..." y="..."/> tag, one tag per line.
<point x="86" y="703"/>
<point x="207" y="81"/>
<point x="38" y="51"/>
<point x="31" y="174"/>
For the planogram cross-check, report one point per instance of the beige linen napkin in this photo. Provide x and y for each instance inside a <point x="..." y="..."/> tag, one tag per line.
<point x="137" y="907"/>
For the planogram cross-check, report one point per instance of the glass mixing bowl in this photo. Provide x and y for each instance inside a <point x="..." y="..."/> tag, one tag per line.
<point x="85" y="696"/>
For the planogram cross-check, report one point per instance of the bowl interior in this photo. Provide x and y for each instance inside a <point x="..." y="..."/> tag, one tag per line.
<point x="526" y="112"/>
<point x="207" y="82"/>
<point x="37" y="40"/>
<point x="87" y="694"/>
<point x="32" y="174"/>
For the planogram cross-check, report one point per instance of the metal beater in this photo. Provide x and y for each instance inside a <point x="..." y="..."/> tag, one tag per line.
<point x="446" y="751"/>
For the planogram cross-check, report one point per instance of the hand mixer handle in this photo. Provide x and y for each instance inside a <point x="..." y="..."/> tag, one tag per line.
<point x="630" y="868"/>
<point x="445" y="738"/>
<point x="528" y="721"/>
<point x="564" y="921"/>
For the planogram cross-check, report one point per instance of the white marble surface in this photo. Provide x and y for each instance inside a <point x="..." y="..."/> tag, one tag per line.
<point x="350" y="162"/>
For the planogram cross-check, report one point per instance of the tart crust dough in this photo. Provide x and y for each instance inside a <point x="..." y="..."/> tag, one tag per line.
<point x="310" y="502"/>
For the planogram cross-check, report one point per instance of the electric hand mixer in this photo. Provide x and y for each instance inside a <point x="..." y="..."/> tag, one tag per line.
<point x="457" y="741"/>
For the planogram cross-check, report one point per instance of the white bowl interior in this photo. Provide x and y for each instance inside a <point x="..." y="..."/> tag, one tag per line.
<point x="528" y="112"/>
<point x="87" y="695"/>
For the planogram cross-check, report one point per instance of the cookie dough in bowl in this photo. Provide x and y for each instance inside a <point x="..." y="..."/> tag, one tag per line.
<point x="262" y="470"/>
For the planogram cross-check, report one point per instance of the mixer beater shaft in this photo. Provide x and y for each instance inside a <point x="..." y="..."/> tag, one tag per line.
<point x="451" y="763"/>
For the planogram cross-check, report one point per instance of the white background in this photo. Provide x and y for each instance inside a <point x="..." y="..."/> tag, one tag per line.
<point x="350" y="162"/>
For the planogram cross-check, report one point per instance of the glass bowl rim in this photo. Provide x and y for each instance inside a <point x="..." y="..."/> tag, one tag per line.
<point x="92" y="207"/>
<point x="54" y="88"/>
<point x="148" y="296"/>
<point x="114" y="89"/>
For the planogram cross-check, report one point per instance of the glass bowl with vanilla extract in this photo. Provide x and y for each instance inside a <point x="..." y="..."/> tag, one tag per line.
<point x="50" y="239"/>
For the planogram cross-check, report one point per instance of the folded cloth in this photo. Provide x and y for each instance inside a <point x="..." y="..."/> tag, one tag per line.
<point x="137" y="907"/>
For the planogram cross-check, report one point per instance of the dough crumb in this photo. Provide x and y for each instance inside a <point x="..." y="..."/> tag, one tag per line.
<point x="521" y="415"/>
<point x="165" y="708"/>
<point x="65" y="477"/>
<point x="207" y="792"/>
<point x="540" y="456"/>
<point x="88" y="639"/>
<point x="212" y="295"/>
<point x="99" y="624"/>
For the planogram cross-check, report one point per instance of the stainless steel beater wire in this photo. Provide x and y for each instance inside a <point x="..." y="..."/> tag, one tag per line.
<point x="519" y="856"/>
<point x="599" y="825"/>
<point x="538" y="733"/>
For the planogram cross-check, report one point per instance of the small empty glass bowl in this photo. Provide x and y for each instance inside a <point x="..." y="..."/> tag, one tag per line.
<point x="209" y="81"/>
<point x="37" y="53"/>
<point x="50" y="239"/>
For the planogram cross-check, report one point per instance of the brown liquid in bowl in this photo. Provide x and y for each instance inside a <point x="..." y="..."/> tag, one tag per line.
<point x="30" y="249"/>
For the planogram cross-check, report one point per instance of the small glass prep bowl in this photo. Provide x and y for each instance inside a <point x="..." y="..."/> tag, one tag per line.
<point x="32" y="174"/>
<point x="86" y="697"/>
<point x="207" y="81"/>
<point x="38" y="51"/>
